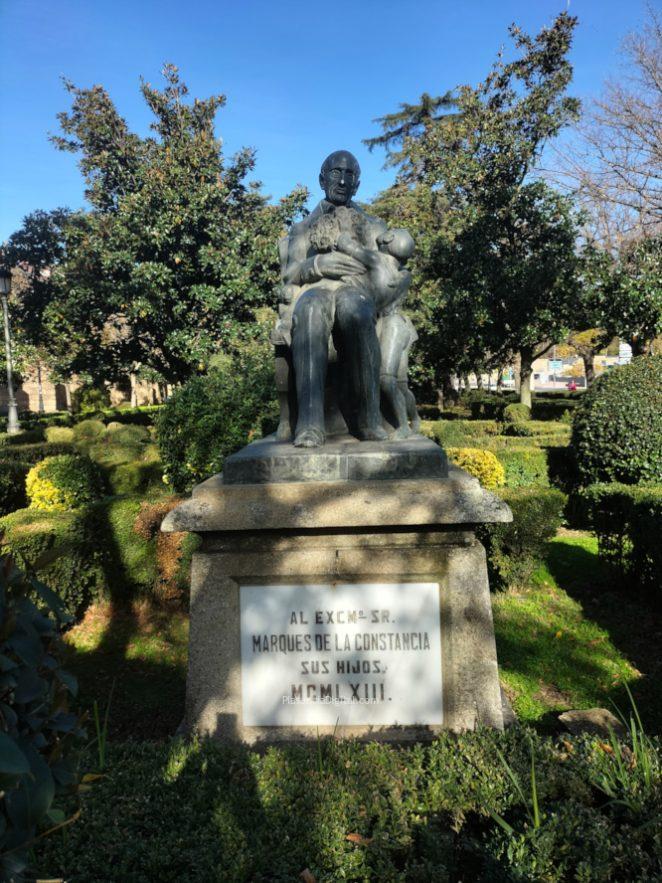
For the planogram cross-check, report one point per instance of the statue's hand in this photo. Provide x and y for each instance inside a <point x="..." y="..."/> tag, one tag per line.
<point x="336" y="265"/>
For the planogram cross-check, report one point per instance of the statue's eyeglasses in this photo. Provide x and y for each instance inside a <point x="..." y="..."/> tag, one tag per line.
<point x="337" y="174"/>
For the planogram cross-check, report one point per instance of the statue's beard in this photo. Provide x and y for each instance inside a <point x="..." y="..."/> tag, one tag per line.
<point x="343" y="219"/>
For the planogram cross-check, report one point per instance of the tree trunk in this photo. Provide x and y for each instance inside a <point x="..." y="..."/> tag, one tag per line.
<point x="134" y="391"/>
<point x="479" y="378"/>
<point x="499" y="383"/>
<point x="525" y="372"/>
<point x="67" y="396"/>
<point x="40" y="391"/>
<point x="587" y="357"/>
<point x="467" y="384"/>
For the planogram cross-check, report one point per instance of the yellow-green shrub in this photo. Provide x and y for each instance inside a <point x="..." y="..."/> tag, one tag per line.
<point x="58" y="434"/>
<point x="483" y="465"/>
<point x="62" y="483"/>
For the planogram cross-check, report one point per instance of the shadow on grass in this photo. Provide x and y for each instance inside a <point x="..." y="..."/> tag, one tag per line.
<point x="138" y="656"/>
<point x="634" y="628"/>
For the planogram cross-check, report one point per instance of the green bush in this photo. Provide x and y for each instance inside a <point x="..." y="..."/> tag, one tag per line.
<point x="60" y="434"/>
<point x="617" y="428"/>
<point x="456" y="433"/>
<point x="132" y="567"/>
<point x="551" y="409"/>
<point x="199" y="811"/>
<point x="89" y="398"/>
<point x="135" y="477"/>
<point x="482" y="465"/>
<point x="12" y="485"/>
<point x="516" y="418"/>
<point x="32" y="454"/>
<point x="65" y="548"/>
<point x="89" y="430"/>
<point x="524" y="467"/>
<point x="212" y="416"/>
<point x="40" y="737"/>
<point x="628" y="522"/>
<point x="63" y="482"/>
<point x="27" y="437"/>
<point x="514" y="550"/>
<point x="141" y="416"/>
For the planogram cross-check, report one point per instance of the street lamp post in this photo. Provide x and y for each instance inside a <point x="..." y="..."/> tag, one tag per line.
<point x="13" y="426"/>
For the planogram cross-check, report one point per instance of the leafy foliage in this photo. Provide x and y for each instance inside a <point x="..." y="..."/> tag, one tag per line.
<point x="12" y="485"/>
<point x="39" y="736"/>
<point x="617" y="428"/>
<point x="214" y="415"/>
<point x="496" y="261"/>
<point x="483" y="465"/>
<point x="516" y="418"/>
<point x="179" y="250"/>
<point x="524" y="467"/>
<point x="515" y="549"/>
<point x="628" y="523"/>
<point x="63" y="482"/>
<point x="350" y="811"/>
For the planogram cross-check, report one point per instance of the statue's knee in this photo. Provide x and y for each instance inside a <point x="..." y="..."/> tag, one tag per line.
<point x="355" y="309"/>
<point x="310" y="313"/>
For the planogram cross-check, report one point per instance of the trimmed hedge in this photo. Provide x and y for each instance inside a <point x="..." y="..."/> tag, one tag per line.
<point x="483" y="465"/>
<point x="628" y="522"/>
<point x="67" y="481"/>
<point x="617" y="428"/>
<point x="34" y="453"/>
<point x="516" y="419"/>
<point x="198" y="811"/>
<point x="27" y="437"/>
<point x="40" y="737"/>
<point x="524" y="467"/>
<point x="514" y="550"/>
<point x="64" y="548"/>
<point x="12" y="485"/>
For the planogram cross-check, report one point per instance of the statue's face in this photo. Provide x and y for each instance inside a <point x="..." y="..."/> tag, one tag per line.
<point x="339" y="178"/>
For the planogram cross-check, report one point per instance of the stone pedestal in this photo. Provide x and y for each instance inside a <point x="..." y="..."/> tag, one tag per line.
<point x="408" y="540"/>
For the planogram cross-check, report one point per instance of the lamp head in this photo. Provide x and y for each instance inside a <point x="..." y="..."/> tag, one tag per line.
<point x="5" y="280"/>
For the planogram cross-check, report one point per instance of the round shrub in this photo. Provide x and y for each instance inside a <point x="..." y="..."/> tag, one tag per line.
<point x="59" y="434"/>
<point x="63" y="482"/>
<point x="617" y="428"/>
<point x="214" y="415"/>
<point x="516" y="418"/>
<point x="89" y="398"/>
<point x="89" y="430"/>
<point x="483" y="465"/>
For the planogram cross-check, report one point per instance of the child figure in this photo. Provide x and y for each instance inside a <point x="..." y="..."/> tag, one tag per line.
<point x="387" y="283"/>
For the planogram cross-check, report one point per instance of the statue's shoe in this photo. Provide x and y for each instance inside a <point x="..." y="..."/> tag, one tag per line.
<point x="309" y="438"/>
<point x="373" y="433"/>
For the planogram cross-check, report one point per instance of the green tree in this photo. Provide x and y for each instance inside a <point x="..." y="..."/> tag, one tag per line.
<point x="34" y="251"/>
<point x="179" y="249"/>
<point x="496" y="266"/>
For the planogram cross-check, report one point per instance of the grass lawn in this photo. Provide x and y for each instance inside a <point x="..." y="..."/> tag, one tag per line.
<point x="566" y="640"/>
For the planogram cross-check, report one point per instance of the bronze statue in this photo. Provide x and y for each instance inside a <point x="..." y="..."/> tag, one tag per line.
<point x="343" y="273"/>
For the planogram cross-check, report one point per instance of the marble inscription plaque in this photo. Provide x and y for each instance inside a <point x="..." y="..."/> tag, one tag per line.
<point x="346" y="654"/>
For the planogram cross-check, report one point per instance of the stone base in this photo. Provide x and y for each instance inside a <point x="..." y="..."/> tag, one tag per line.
<point x="342" y="458"/>
<point x="332" y="533"/>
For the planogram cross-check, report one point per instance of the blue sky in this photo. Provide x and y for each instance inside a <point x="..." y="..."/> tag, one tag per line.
<point x="301" y="79"/>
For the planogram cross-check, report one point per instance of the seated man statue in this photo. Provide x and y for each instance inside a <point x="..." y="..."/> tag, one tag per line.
<point x="328" y="302"/>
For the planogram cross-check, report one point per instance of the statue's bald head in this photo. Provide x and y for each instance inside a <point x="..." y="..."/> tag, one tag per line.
<point x="339" y="176"/>
<point x="348" y="160"/>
